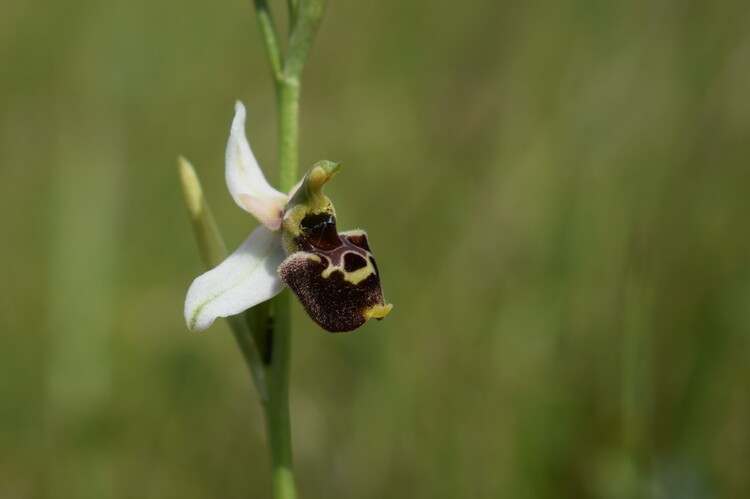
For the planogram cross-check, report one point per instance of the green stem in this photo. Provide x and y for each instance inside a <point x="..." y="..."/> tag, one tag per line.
<point x="304" y="18"/>
<point x="278" y="424"/>
<point x="287" y="94"/>
<point x="249" y="349"/>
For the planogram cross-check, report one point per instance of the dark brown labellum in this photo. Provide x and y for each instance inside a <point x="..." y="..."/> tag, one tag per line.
<point x="334" y="275"/>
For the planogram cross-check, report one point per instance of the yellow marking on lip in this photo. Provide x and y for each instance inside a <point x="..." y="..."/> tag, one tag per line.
<point x="359" y="275"/>
<point x="355" y="277"/>
<point x="328" y="271"/>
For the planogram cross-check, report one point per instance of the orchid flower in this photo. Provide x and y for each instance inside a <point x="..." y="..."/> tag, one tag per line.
<point x="333" y="274"/>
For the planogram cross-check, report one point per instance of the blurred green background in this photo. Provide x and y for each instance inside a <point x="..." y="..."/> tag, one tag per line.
<point x="556" y="193"/>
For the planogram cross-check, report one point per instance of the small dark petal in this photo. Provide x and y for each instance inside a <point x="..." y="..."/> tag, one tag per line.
<point x="357" y="238"/>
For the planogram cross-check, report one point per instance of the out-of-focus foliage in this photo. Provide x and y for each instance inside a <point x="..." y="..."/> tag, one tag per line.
<point x="557" y="194"/>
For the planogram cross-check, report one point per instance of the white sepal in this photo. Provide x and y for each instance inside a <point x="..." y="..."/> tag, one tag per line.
<point x="244" y="177"/>
<point x="247" y="277"/>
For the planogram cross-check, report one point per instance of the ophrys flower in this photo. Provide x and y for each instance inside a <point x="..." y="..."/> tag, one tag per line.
<point x="333" y="274"/>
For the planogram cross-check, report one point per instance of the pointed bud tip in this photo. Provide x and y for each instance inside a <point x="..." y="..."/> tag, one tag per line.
<point x="186" y="169"/>
<point x="191" y="186"/>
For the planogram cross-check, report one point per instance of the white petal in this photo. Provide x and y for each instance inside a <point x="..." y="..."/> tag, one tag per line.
<point x="247" y="277"/>
<point x="244" y="176"/>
